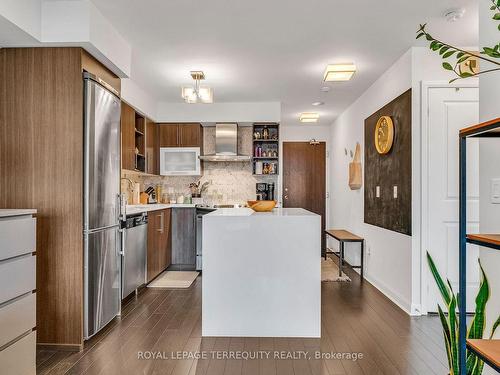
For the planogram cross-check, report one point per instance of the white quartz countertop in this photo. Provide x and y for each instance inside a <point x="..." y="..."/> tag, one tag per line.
<point x="140" y="208"/>
<point x="17" y="212"/>
<point x="277" y="212"/>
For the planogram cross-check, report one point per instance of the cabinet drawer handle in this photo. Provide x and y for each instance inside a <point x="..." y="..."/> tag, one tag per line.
<point x="161" y="223"/>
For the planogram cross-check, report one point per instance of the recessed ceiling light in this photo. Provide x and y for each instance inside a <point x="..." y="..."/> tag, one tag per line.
<point x="339" y="72"/>
<point x="318" y="103"/>
<point x="309" y="117"/>
<point x="325" y="89"/>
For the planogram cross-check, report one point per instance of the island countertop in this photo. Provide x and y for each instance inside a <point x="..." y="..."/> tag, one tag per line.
<point x="261" y="273"/>
<point x="249" y="212"/>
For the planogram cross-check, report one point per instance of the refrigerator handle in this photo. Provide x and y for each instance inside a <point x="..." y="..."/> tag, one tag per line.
<point x="118" y="207"/>
<point x="121" y="251"/>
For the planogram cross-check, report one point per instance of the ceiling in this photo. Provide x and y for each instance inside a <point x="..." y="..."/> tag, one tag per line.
<point x="261" y="50"/>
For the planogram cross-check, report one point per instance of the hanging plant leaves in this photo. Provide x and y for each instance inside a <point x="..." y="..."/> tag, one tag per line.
<point x="443" y="50"/>
<point x="447" y="66"/>
<point x="488" y="54"/>
<point x="448" y="54"/>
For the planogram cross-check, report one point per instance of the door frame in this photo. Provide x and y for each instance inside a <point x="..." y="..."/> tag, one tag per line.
<point x="327" y="174"/>
<point x="426" y="86"/>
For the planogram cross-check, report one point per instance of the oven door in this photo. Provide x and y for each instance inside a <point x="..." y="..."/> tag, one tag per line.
<point x="180" y="161"/>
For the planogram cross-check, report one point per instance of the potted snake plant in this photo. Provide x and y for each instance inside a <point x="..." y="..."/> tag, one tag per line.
<point x="450" y="320"/>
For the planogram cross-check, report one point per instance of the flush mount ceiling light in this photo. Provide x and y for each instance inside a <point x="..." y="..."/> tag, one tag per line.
<point x="318" y="103"/>
<point x="453" y="15"/>
<point x="197" y="94"/>
<point x="339" y="72"/>
<point x="325" y="89"/>
<point x="309" y="117"/>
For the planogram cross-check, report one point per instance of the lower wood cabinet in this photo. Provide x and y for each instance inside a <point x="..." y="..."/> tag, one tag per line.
<point x="159" y="243"/>
<point x="184" y="238"/>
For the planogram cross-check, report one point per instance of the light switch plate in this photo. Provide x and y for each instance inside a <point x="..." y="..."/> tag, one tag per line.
<point x="495" y="190"/>
<point x="395" y="192"/>
<point x="377" y="192"/>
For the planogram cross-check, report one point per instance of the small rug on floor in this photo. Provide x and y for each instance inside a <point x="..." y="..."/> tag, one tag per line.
<point x="330" y="271"/>
<point x="174" y="279"/>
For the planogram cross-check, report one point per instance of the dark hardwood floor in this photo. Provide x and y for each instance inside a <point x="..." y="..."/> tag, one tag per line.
<point x="355" y="318"/>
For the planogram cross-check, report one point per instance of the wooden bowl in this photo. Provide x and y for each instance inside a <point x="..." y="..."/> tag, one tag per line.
<point x="261" y="206"/>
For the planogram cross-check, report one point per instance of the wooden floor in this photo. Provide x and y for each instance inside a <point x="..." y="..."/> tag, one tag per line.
<point x="355" y="318"/>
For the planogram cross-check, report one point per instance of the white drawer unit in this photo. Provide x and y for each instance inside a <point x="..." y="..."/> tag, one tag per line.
<point x="17" y="317"/>
<point x="17" y="297"/>
<point x="20" y="357"/>
<point x="17" y="236"/>
<point x="17" y="277"/>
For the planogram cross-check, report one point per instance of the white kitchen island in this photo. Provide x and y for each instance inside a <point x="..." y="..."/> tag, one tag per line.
<point x="261" y="273"/>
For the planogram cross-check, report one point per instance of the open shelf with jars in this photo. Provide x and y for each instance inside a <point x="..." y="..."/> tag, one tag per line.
<point x="265" y="160"/>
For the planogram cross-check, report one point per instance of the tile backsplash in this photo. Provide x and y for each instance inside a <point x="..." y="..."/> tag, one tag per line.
<point x="230" y="182"/>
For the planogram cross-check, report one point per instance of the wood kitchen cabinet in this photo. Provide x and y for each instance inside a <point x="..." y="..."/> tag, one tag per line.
<point x="128" y="136"/>
<point x="42" y="117"/>
<point x="181" y="135"/>
<point x="184" y="238"/>
<point x="159" y="250"/>
<point x="152" y="151"/>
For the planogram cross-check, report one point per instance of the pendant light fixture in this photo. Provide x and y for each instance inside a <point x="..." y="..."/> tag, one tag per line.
<point x="197" y="94"/>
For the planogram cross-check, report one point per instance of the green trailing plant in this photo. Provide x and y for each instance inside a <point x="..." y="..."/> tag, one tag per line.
<point x="456" y="57"/>
<point x="450" y="320"/>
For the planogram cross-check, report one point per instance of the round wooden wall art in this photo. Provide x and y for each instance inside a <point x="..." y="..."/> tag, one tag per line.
<point x="384" y="135"/>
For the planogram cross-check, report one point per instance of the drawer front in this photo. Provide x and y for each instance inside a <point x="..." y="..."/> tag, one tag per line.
<point x="17" y="277"/>
<point x="19" y="358"/>
<point x="17" y="318"/>
<point x="17" y="237"/>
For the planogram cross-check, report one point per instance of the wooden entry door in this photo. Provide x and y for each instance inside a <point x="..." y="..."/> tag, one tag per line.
<point x="304" y="178"/>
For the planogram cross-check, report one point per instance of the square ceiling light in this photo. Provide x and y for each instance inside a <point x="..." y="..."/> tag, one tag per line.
<point x="309" y="117"/>
<point x="339" y="72"/>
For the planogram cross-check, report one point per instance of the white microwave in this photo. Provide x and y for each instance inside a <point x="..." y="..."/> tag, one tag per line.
<point x="180" y="161"/>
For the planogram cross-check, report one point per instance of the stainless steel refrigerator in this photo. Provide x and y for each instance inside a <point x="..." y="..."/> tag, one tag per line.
<point x="101" y="224"/>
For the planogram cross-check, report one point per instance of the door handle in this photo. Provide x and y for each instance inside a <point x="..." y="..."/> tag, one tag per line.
<point x="286" y="189"/>
<point x="286" y="197"/>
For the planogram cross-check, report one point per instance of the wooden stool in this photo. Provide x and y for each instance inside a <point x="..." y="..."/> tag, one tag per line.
<point x="344" y="236"/>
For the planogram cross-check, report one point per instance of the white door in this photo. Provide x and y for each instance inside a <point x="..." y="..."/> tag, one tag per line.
<point x="451" y="109"/>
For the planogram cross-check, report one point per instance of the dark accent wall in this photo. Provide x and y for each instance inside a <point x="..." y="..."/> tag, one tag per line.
<point x="389" y="170"/>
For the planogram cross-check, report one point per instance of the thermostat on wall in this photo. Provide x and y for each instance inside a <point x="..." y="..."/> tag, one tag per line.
<point x="495" y="191"/>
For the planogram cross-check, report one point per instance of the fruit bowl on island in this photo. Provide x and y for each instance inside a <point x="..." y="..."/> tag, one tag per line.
<point x="261" y="206"/>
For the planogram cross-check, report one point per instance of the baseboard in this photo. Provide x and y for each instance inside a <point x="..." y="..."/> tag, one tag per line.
<point x="394" y="297"/>
<point x="60" y="347"/>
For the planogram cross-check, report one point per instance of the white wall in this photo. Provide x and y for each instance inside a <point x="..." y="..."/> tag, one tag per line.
<point x="138" y="98"/>
<point x="426" y="67"/>
<point x="79" y="22"/>
<point x="393" y="261"/>
<point x="305" y="132"/>
<point x="25" y="14"/>
<point x="219" y="112"/>
<point x="489" y="157"/>
<point x="388" y="254"/>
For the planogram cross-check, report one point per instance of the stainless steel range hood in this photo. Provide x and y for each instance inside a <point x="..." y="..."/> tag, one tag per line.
<point x="226" y="144"/>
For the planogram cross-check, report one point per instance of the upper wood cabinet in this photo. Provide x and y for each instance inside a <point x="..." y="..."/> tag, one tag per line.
<point x="152" y="152"/>
<point x="128" y="136"/>
<point x="169" y="135"/>
<point x="181" y="135"/>
<point x="134" y="143"/>
<point x="191" y="135"/>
